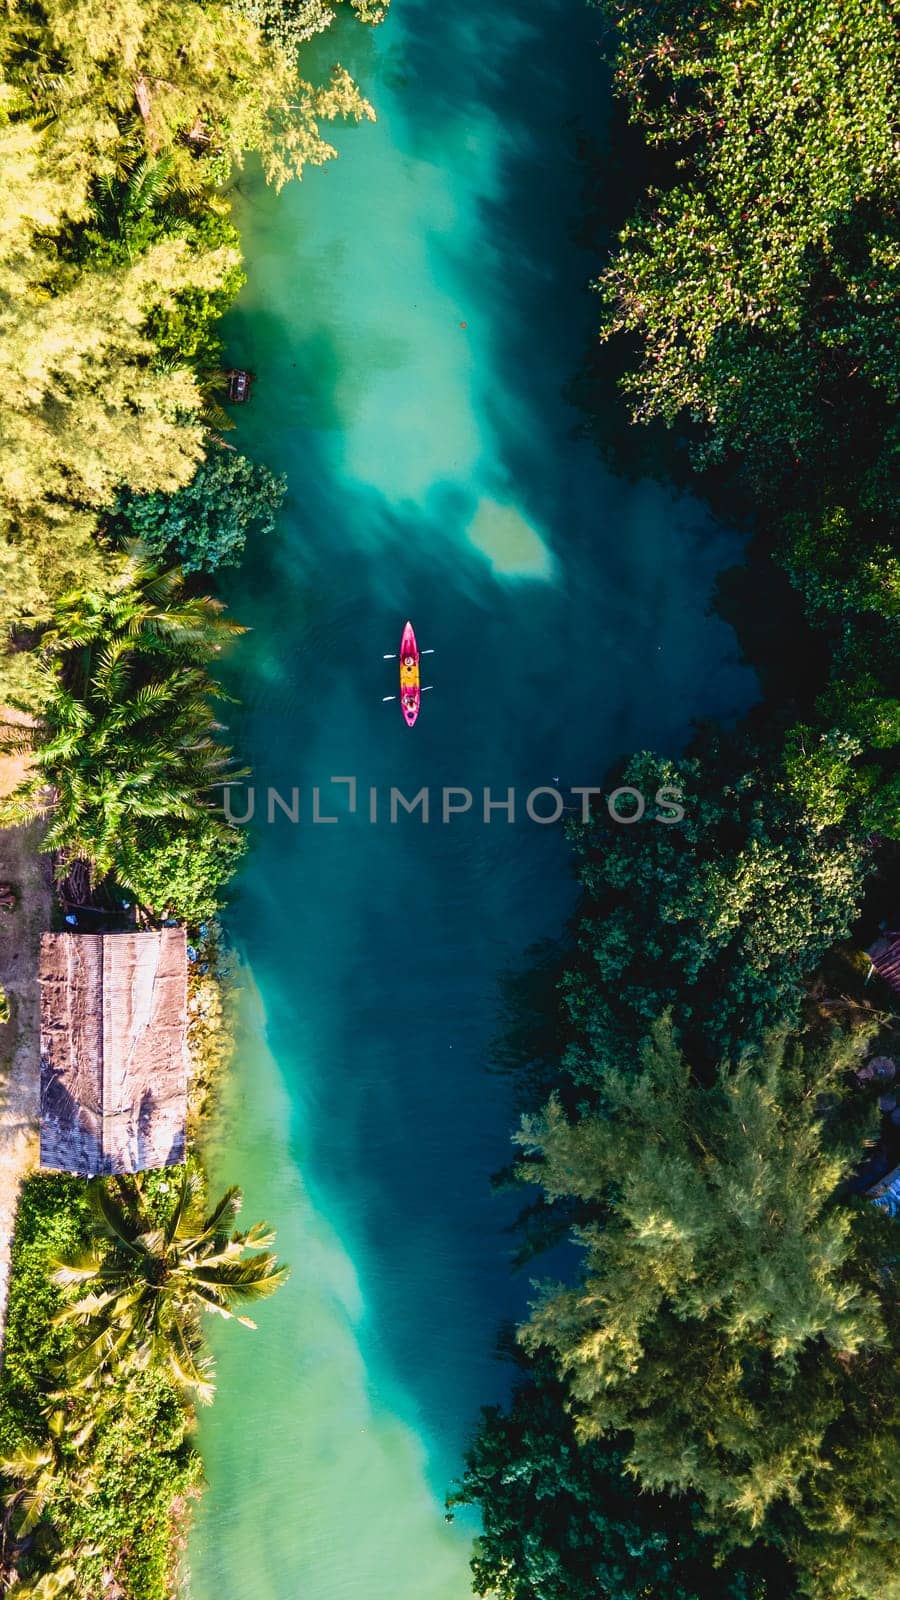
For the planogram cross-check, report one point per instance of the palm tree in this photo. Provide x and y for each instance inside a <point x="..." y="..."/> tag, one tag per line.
<point x="36" y="1469"/>
<point x="128" y="731"/>
<point x="149" y="606"/>
<point x="18" y="1547"/>
<point x="47" y="1587"/>
<point x="33" y="1474"/>
<point x="149" y="1280"/>
<point x="148" y="197"/>
<point x="134" y="207"/>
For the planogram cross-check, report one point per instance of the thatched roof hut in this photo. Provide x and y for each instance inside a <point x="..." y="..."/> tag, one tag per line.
<point x="113" y="1051"/>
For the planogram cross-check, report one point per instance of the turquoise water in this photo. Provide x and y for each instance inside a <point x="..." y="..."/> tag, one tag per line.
<point x="415" y="314"/>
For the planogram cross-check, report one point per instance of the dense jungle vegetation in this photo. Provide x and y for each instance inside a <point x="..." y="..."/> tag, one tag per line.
<point x="121" y="128"/>
<point x="711" y="1407"/>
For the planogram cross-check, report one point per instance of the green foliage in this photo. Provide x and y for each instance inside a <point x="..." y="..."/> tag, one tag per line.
<point x="53" y="1218"/>
<point x="87" y="406"/>
<point x="179" y="870"/>
<point x="736" y="1321"/>
<point x="732" y="1338"/>
<point x="139" y="204"/>
<point x="83" y="407"/>
<point x="156" y="1263"/>
<point x="142" y="1463"/>
<point x="121" y="125"/>
<point x="717" y="918"/>
<point x="289" y="23"/>
<point x="761" y="279"/>
<point x="207" y="523"/>
<point x="820" y="772"/>
<point x="92" y="1472"/>
<point x="836" y="773"/>
<point x="563" y="1520"/>
<point x="843" y="768"/>
<point x="187" y="328"/>
<point x="840" y="569"/>
<point x="127" y="734"/>
<point x="98" y="1485"/>
<point x="203" y="84"/>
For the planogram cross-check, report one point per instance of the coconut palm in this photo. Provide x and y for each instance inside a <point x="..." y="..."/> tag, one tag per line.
<point x="35" y="1470"/>
<point x="134" y="207"/>
<point x="54" y="1583"/>
<point x="149" y="1280"/>
<point x="32" y="1475"/>
<point x="149" y="607"/>
<point x="127" y="729"/>
<point x="17" y="1549"/>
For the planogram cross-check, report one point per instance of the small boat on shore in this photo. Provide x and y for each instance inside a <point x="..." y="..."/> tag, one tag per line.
<point x="410" y="683"/>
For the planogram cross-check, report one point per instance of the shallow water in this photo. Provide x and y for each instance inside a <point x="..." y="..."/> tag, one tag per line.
<point x="415" y="313"/>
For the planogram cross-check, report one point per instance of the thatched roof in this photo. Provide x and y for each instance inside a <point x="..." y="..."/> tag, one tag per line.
<point x="113" y="1051"/>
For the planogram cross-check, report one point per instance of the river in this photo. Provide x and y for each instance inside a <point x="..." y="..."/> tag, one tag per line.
<point x="415" y="314"/>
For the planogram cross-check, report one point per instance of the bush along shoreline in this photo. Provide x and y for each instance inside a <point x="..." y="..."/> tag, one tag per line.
<point x="708" y="1405"/>
<point x="120" y="133"/>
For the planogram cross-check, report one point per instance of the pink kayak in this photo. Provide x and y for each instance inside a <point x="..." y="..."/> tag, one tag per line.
<point x="410" y="685"/>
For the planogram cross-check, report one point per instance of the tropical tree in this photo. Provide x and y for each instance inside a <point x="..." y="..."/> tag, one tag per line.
<point x="127" y="731"/>
<point x="117" y="258"/>
<point x="152" y="1273"/>
<point x="719" y="917"/>
<point x="46" y="1587"/>
<point x="563" y="1520"/>
<point x="843" y="566"/>
<point x="36" y="1469"/>
<point x="132" y="209"/>
<point x="205" y="524"/>
<point x="760" y="279"/>
<point x="85" y="406"/>
<point x="204" y="83"/>
<point x="736" y="1321"/>
<point x="180" y="869"/>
